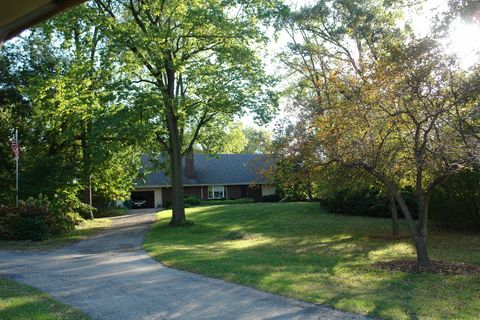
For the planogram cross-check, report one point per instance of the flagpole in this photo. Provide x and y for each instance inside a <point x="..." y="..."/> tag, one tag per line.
<point x="16" y="166"/>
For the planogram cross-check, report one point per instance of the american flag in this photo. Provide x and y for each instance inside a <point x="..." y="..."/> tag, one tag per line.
<point x="15" y="148"/>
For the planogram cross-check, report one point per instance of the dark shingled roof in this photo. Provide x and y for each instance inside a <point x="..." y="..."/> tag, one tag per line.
<point x="221" y="169"/>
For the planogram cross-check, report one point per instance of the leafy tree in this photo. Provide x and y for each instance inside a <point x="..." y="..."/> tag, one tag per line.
<point x="195" y="62"/>
<point x="384" y="102"/>
<point x="15" y="111"/>
<point x="235" y="139"/>
<point x="84" y="129"/>
<point x="258" y="140"/>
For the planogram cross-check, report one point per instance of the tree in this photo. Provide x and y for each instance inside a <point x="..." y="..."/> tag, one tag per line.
<point x="258" y="140"/>
<point x="384" y="102"/>
<point x="83" y="132"/>
<point x="195" y="61"/>
<point x="15" y="111"/>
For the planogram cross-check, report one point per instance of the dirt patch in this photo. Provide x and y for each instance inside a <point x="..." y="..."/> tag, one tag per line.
<point x="389" y="237"/>
<point x="439" y="267"/>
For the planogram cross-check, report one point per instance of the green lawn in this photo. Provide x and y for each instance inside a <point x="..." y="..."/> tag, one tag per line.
<point x="21" y="302"/>
<point x="300" y="251"/>
<point x="82" y="232"/>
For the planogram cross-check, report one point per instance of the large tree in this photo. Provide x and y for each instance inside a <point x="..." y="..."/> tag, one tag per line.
<point x="83" y="131"/>
<point x="385" y="102"/>
<point x="195" y="62"/>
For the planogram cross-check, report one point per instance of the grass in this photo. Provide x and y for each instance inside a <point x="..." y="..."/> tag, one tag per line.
<point x="82" y="232"/>
<point x="298" y="250"/>
<point x="19" y="301"/>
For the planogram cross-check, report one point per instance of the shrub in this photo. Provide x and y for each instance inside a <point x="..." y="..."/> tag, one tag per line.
<point x="35" y="220"/>
<point x="70" y="203"/>
<point x="111" y="212"/>
<point x="192" y="200"/>
<point x="29" y="228"/>
<point x="455" y="205"/>
<point x="365" y="202"/>
<point x="227" y="201"/>
<point x="271" y="198"/>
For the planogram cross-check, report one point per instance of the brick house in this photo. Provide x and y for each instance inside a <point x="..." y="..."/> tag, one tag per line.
<point x="224" y="176"/>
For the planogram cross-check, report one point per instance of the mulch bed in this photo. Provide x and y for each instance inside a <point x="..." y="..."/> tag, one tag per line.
<point x="439" y="267"/>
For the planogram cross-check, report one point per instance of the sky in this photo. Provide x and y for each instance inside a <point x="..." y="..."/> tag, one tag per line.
<point x="463" y="40"/>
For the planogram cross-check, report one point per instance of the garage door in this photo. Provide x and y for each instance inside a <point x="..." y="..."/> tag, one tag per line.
<point x="148" y="196"/>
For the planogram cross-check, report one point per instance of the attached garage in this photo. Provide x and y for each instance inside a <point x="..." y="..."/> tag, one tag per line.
<point x="148" y="196"/>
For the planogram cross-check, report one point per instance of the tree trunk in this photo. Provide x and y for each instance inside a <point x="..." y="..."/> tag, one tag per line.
<point x="178" y="214"/>
<point x="175" y="154"/>
<point x="419" y="234"/>
<point x="394" y="214"/>
<point x="423" y="260"/>
<point x="174" y="144"/>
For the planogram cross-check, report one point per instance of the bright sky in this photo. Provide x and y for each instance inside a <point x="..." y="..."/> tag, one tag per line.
<point x="463" y="41"/>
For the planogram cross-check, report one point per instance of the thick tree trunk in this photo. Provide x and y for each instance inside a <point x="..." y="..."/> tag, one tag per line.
<point x="178" y="214"/>
<point x="423" y="260"/>
<point x="394" y="214"/>
<point x="174" y="144"/>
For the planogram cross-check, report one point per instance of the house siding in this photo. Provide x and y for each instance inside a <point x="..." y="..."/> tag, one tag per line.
<point x="255" y="192"/>
<point x="234" y="192"/>
<point x="163" y="195"/>
<point x="193" y="191"/>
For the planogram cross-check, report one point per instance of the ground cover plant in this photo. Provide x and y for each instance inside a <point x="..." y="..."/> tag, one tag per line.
<point x="299" y="250"/>
<point x="19" y="301"/>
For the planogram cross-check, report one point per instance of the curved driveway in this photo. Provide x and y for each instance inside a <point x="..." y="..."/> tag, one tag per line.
<point x="109" y="276"/>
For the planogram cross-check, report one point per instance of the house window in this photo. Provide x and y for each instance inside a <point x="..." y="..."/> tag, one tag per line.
<point x="217" y="192"/>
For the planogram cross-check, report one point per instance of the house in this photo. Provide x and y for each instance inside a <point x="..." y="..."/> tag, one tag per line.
<point x="224" y="176"/>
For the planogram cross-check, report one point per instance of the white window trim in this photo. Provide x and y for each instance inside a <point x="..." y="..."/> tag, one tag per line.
<point x="213" y="189"/>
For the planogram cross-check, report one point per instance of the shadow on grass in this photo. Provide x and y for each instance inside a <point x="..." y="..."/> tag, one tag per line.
<point x="317" y="257"/>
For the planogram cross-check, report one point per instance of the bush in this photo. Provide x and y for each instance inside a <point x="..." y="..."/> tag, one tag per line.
<point x="192" y="200"/>
<point x="111" y="212"/>
<point x="35" y="220"/>
<point x="365" y="202"/>
<point x="227" y="201"/>
<point x="271" y="198"/>
<point x="455" y="205"/>
<point x="29" y="228"/>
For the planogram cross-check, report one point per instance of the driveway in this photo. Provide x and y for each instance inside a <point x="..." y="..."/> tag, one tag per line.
<point x="109" y="276"/>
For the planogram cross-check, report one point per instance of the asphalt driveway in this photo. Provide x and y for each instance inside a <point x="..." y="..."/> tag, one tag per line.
<point x="109" y="276"/>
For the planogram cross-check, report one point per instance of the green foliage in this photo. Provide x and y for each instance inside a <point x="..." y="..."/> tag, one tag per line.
<point x="34" y="219"/>
<point x="271" y="198"/>
<point x="226" y="201"/>
<point x="456" y="203"/>
<point x="28" y="228"/>
<point x="66" y="201"/>
<point x="366" y="202"/>
<point x="235" y="139"/>
<point x="192" y="200"/>
<point x="111" y="212"/>
<point x="63" y="87"/>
